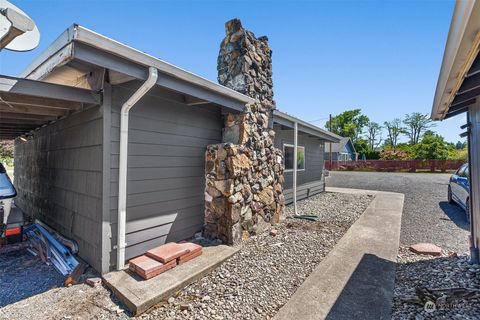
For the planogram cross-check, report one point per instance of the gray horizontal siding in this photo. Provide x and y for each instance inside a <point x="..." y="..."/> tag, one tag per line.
<point x="304" y="191"/>
<point x="58" y="175"/>
<point x="165" y="190"/>
<point x="314" y="157"/>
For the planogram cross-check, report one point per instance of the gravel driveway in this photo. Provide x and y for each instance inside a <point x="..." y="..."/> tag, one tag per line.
<point x="427" y="216"/>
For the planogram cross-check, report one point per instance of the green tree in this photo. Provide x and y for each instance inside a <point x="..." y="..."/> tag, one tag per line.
<point x="460" y="145"/>
<point x="431" y="147"/>
<point x="394" y="130"/>
<point x="458" y="154"/>
<point x="361" y="146"/>
<point x="416" y="124"/>
<point x="373" y="135"/>
<point x="390" y="154"/>
<point x="6" y="151"/>
<point x="348" y="124"/>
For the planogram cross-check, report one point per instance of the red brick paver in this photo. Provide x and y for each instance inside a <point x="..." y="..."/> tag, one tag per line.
<point x="167" y="252"/>
<point x="147" y="267"/>
<point x="188" y="257"/>
<point x="426" y="248"/>
<point x="191" y="247"/>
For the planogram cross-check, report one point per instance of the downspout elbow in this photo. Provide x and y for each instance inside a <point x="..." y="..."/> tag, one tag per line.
<point x="144" y="88"/>
<point x="123" y="163"/>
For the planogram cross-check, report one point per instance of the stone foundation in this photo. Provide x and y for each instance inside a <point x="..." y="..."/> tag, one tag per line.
<point x="244" y="175"/>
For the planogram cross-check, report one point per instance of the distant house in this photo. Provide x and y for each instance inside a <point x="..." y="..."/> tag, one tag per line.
<point x="343" y="150"/>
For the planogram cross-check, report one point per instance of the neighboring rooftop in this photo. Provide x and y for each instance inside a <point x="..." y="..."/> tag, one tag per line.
<point x="340" y="146"/>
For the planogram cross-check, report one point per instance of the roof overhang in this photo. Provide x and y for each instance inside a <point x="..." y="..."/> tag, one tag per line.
<point x="80" y="57"/>
<point x="460" y="65"/>
<point x="29" y="104"/>
<point x="305" y="127"/>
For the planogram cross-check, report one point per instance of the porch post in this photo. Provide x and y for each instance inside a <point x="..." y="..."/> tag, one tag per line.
<point x="295" y="147"/>
<point x="474" y="162"/>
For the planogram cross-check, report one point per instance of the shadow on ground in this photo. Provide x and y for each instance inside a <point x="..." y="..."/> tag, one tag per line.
<point x="376" y="288"/>
<point x="456" y="214"/>
<point x="23" y="275"/>
<point x="368" y="293"/>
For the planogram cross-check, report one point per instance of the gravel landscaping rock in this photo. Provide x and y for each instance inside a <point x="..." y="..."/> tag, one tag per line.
<point x="258" y="281"/>
<point x="447" y="271"/>
<point x="22" y="275"/>
<point x="253" y="284"/>
<point x="329" y="206"/>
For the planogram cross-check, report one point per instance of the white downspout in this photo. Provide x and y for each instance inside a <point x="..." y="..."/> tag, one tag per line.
<point x="295" y="147"/>
<point x="123" y="165"/>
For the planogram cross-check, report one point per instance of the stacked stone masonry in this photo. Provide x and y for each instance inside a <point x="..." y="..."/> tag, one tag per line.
<point x="244" y="174"/>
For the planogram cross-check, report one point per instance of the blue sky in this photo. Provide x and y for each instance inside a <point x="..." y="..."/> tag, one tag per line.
<point x="328" y="56"/>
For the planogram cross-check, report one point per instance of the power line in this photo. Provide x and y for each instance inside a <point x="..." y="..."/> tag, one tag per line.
<point x="316" y="120"/>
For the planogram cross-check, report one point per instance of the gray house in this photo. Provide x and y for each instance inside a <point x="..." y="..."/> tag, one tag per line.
<point x="67" y="118"/>
<point x="311" y="146"/>
<point x="342" y="151"/>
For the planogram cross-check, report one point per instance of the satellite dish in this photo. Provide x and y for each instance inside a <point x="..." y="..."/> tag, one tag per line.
<point x="17" y="31"/>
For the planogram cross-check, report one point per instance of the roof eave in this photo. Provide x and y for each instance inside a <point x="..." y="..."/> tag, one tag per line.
<point x="460" y="52"/>
<point x="319" y="132"/>
<point x="79" y="34"/>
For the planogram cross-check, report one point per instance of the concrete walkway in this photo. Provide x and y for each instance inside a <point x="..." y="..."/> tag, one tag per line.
<point x="356" y="279"/>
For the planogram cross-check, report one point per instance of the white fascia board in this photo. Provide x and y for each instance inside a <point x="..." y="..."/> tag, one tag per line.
<point x="58" y="45"/>
<point x="459" y="54"/>
<point x="321" y="133"/>
<point x="80" y="34"/>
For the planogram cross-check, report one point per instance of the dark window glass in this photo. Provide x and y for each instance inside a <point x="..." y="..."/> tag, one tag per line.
<point x="288" y="154"/>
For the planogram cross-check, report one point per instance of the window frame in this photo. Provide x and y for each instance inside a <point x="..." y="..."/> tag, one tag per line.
<point x="304" y="158"/>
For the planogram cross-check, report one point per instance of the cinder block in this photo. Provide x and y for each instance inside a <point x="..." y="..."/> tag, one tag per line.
<point x="167" y="252"/>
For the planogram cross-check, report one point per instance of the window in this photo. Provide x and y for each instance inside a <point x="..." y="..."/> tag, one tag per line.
<point x="462" y="172"/>
<point x="288" y="154"/>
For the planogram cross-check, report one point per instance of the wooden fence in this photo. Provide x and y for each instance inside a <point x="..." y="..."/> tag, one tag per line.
<point x="395" y="165"/>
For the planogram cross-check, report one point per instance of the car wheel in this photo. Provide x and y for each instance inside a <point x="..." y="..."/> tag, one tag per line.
<point x="449" y="195"/>
<point x="467" y="209"/>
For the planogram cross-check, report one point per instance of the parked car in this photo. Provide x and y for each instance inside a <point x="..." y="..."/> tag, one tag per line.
<point x="459" y="189"/>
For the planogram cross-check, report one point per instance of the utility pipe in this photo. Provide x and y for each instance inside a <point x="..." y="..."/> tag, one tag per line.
<point x="295" y="148"/>
<point x="123" y="163"/>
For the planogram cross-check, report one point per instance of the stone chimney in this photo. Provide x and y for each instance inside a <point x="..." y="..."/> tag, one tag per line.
<point x="244" y="174"/>
<point x="245" y="64"/>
